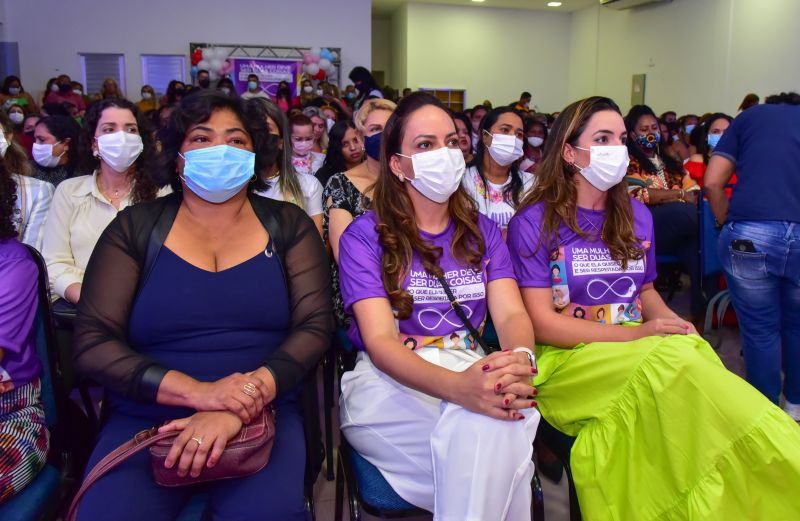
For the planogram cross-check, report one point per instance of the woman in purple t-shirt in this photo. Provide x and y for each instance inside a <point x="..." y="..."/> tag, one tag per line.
<point x="663" y="430"/>
<point x="424" y="403"/>
<point x="24" y="438"/>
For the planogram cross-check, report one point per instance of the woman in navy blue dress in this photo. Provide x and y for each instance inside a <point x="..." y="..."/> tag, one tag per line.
<point x="200" y="309"/>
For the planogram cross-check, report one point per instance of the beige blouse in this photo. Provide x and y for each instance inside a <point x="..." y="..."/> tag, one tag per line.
<point x="78" y="215"/>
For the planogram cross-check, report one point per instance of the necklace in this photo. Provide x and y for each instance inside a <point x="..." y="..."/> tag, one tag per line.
<point x="117" y="194"/>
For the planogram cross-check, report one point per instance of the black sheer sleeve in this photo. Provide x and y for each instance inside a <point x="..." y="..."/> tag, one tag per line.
<point x="308" y="278"/>
<point x="101" y="349"/>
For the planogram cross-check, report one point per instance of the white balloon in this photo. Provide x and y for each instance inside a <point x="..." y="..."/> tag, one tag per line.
<point x="216" y="64"/>
<point x="312" y="68"/>
<point x="324" y="64"/>
<point x="204" y="64"/>
<point x="208" y="53"/>
<point x="331" y="71"/>
<point x="315" y="50"/>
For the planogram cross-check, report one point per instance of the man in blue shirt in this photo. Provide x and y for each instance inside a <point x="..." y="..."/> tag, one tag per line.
<point x="759" y="245"/>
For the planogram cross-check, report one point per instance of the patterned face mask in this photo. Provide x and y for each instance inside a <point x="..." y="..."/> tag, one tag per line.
<point x="649" y="140"/>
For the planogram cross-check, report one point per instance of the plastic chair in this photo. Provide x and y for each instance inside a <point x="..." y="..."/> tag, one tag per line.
<point x="43" y="497"/>
<point x="561" y="445"/>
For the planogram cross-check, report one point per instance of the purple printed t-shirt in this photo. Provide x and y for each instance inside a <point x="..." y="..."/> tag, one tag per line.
<point x="432" y="323"/>
<point x="18" y="301"/>
<point x="586" y="282"/>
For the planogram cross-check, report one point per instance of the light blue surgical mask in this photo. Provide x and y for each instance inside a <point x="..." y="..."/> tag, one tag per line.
<point x="713" y="140"/>
<point x="217" y="173"/>
<point x="252" y="85"/>
<point x="688" y="129"/>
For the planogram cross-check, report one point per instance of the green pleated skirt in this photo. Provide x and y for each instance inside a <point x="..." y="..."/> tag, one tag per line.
<point x="665" y="432"/>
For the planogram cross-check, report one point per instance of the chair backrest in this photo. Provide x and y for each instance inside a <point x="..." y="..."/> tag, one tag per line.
<point x="47" y="346"/>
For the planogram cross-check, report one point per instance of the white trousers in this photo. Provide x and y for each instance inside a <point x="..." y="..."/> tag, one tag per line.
<point x="460" y="465"/>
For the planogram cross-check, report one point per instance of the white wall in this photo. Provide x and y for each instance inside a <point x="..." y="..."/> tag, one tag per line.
<point x="493" y="53"/>
<point x="381" y="48"/>
<point x="51" y="33"/>
<point x="399" y="48"/>
<point x="699" y="55"/>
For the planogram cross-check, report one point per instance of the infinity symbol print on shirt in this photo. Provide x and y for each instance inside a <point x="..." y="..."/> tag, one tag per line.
<point x="442" y="317"/>
<point x="613" y="287"/>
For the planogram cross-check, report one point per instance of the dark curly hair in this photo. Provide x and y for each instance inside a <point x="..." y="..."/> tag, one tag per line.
<point x="144" y="188"/>
<point x="198" y="108"/>
<point x="8" y="199"/>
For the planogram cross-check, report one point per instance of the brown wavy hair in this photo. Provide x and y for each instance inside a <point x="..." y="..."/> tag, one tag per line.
<point x="397" y="229"/>
<point x="555" y="187"/>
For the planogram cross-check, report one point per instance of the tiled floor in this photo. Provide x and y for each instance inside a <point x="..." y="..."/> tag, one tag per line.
<point x="555" y="495"/>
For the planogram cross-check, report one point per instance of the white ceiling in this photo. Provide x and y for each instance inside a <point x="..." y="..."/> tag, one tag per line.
<point x="384" y="7"/>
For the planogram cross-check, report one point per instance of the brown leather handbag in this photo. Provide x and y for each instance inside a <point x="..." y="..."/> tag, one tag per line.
<point x="245" y="454"/>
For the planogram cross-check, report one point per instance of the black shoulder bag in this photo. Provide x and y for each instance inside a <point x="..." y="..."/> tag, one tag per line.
<point x="463" y="317"/>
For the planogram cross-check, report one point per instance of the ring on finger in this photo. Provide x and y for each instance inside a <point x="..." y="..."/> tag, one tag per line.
<point x="249" y="389"/>
<point x="198" y="439"/>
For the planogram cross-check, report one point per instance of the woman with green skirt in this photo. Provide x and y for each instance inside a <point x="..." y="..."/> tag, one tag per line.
<point x="663" y="431"/>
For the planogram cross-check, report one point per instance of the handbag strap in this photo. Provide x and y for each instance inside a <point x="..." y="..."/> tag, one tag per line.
<point x="116" y="457"/>
<point x="461" y="315"/>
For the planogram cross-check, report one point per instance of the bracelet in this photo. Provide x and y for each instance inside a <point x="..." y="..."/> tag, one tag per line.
<point x="681" y="196"/>
<point x="528" y="352"/>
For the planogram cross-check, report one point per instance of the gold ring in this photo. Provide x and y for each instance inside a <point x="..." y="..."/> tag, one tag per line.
<point x="249" y="389"/>
<point x="198" y="439"/>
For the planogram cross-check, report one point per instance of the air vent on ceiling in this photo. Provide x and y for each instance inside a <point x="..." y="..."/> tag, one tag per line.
<point x="628" y="4"/>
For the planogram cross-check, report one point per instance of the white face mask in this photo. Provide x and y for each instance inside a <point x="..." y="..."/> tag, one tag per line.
<point x="607" y="166"/>
<point x="146" y="95"/>
<point x="437" y="173"/>
<point x="535" y="141"/>
<point x="505" y="148"/>
<point x="119" y="150"/>
<point x="308" y="89"/>
<point x="16" y="117"/>
<point x="78" y="92"/>
<point x="43" y="155"/>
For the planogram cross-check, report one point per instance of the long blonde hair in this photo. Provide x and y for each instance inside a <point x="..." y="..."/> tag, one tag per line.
<point x="555" y="187"/>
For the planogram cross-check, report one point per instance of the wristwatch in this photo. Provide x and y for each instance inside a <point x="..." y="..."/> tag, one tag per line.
<point x="528" y="353"/>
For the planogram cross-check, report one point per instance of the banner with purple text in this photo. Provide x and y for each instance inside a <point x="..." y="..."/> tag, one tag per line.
<point x="270" y="73"/>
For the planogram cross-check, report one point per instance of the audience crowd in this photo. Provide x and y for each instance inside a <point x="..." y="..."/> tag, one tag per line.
<point x="489" y="270"/>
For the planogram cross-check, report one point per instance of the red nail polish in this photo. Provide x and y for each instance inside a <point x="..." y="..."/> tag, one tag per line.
<point x="497" y="387"/>
<point x="533" y="370"/>
<point x="521" y="417"/>
<point x="536" y="392"/>
<point x="533" y="403"/>
<point x="485" y="367"/>
<point x="505" y="402"/>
